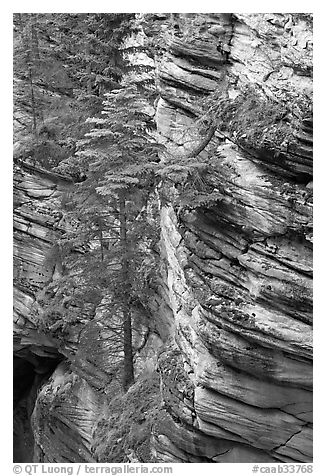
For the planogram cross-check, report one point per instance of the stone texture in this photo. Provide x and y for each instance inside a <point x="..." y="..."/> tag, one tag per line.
<point x="37" y="223"/>
<point x="64" y="408"/>
<point x="239" y="269"/>
<point x="66" y="411"/>
<point x="232" y="314"/>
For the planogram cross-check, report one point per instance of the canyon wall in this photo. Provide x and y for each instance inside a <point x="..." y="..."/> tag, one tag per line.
<point x="237" y="377"/>
<point x="65" y="374"/>
<point x="63" y="378"/>
<point x="37" y="216"/>
<point x="230" y="331"/>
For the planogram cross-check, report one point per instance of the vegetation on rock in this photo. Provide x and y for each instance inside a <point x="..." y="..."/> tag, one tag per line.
<point x="124" y="436"/>
<point x="168" y="265"/>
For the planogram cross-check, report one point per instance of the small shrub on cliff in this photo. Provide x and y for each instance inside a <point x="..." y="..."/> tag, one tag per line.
<point x="127" y="430"/>
<point x="255" y="121"/>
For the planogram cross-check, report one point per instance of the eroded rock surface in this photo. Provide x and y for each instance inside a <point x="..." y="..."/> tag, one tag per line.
<point x="232" y="315"/>
<point x="65" y="375"/>
<point x="238" y="269"/>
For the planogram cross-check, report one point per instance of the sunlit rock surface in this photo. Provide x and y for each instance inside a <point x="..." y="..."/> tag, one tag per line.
<point x="232" y="316"/>
<point x="238" y="271"/>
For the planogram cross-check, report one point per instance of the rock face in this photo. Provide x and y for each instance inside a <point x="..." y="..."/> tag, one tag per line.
<point x="37" y="217"/>
<point x="37" y="196"/>
<point x="58" y="405"/>
<point x="238" y="270"/>
<point x="232" y="315"/>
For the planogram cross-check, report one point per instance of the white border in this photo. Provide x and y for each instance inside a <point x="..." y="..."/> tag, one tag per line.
<point x="319" y="176"/>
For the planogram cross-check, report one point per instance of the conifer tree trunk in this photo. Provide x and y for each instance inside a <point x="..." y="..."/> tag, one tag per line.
<point x="34" y="39"/>
<point x="30" y="41"/>
<point x="88" y="70"/>
<point x="35" y="57"/>
<point x="101" y="239"/>
<point x="33" y="102"/>
<point x="128" y="365"/>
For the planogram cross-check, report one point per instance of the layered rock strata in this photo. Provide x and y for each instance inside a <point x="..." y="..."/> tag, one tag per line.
<point x="238" y="270"/>
<point x="232" y="314"/>
<point x="63" y="364"/>
<point x="37" y="216"/>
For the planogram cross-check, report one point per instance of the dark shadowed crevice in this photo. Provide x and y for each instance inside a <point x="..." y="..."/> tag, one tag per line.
<point x="27" y="379"/>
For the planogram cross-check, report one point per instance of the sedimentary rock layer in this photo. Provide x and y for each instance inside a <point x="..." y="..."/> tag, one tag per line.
<point x="232" y="313"/>
<point x="239" y="267"/>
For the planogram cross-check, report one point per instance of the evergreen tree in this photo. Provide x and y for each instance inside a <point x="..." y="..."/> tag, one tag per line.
<point x="63" y="65"/>
<point x="118" y="157"/>
<point x="26" y="61"/>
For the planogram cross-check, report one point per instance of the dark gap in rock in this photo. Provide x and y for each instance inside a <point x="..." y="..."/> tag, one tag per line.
<point x="185" y="87"/>
<point x="29" y="373"/>
<point x="181" y="106"/>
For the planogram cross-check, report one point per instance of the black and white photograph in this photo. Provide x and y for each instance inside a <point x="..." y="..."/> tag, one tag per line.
<point x="162" y="243"/>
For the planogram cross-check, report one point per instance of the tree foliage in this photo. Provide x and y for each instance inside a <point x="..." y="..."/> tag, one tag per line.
<point x="63" y="64"/>
<point x="91" y="116"/>
<point x="108" y="250"/>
